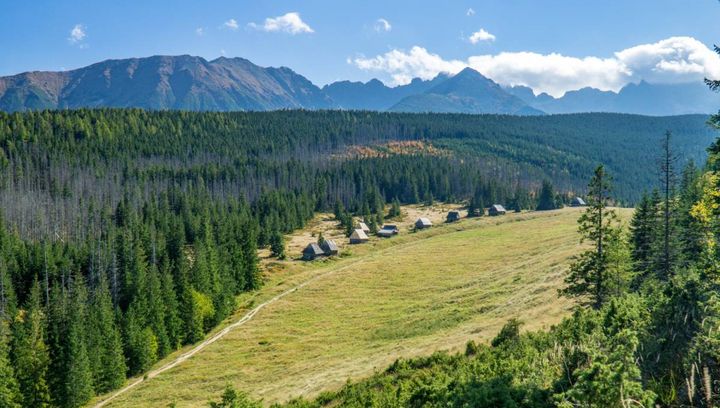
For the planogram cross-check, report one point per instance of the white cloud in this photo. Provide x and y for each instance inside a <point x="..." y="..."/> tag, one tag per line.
<point x="77" y="34"/>
<point x="289" y="23"/>
<point x="231" y="24"/>
<point x="677" y="59"/>
<point x="481" y="35"/>
<point x="470" y="12"/>
<point x="382" y="25"/>
<point x="200" y="31"/>
<point x="404" y="66"/>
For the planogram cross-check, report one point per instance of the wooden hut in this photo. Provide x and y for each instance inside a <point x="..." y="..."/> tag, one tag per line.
<point x="577" y="202"/>
<point x="312" y="252"/>
<point x="453" y="216"/>
<point x="423" y="223"/>
<point x="330" y="247"/>
<point x="497" y="209"/>
<point x="358" y="237"/>
<point x="364" y="227"/>
<point x="388" y="231"/>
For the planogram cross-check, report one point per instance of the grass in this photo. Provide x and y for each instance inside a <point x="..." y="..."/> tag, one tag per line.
<point x="402" y="297"/>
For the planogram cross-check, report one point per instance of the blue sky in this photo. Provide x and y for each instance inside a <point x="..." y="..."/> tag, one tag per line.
<point x="552" y="45"/>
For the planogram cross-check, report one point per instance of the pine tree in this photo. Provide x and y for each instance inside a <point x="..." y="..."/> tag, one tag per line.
<point x="10" y="396"/>
<point x="30" y="352"/>
<point x="591" y="276"/>
<point x="78" y="374"/>
<point x="642" y="227"/>
<point x="104" y="342"/>
<point x="277" y="244"/>
<point x="546" y="198"/>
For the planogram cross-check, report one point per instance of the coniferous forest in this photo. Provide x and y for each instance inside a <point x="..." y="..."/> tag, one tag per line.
<point x="126" y="234"/>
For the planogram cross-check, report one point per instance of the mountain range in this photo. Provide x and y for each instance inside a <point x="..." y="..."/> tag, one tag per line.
<point x="225" y="84"/>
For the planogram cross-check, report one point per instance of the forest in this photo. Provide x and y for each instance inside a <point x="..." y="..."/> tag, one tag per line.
<point x="125" y="234"/>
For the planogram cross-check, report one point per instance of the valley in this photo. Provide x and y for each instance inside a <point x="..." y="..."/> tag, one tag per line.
<point x="402" y="297"/>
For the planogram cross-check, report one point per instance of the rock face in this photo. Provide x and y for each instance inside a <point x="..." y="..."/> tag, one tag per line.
<point x="164" y="82"/>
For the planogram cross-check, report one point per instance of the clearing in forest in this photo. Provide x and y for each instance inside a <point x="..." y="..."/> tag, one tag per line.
<point x="406" y="296"/>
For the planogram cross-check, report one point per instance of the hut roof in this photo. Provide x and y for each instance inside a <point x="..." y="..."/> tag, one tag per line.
<point x="359" y="234"/>
<point x="313" y="249"/>
<point x="363" y="226"/>
<point x="498" y="208"/>
<point x="391" y="227"/>
<point x="423" y="222"/>
<point x="329" y="245"/>
<point x="578" y="201"/>
<point x="386" y="232"/>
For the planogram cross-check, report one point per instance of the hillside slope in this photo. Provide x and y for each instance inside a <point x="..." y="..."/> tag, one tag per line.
<point x="467" y="92"/>
<point x="389" y="299"/>
<point x="164" y="82"/>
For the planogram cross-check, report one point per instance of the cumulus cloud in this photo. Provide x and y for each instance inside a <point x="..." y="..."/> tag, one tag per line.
<point x="481" y="35"/>
<point x="200" y="31"/>
<point x="290" y="23"/>
<point x="77" y="34"/>
<point x="404" y="66"/>
<point x="382" y="25"/>
<point x="231" y="24"/>
<point x="673" y="60"/>
<point x="470" y="12"/>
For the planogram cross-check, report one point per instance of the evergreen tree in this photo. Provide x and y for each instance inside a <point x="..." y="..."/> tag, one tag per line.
<point x="394" y="209"/>
<point x="78" y="374"/>
<point x="104" y="342"/>
<point x="10" y="396"/>
<point x="642" y="229"/>
<point x="30" y="352"/>
<point x="277" y="244"/>
<point x="591" y="275"/>
<point x="546" y="198"/>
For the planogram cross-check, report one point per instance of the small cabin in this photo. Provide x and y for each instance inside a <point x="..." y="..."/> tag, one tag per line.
<point x="364" y="227"/>
<point x="312" y="252"/>
<point x="330" y="247"/>
<point x="358" y="237"/>
<point x="453" y="216"/>
<point x="423" y="223"/>
<point x="577" y="202"/>
<point x="388" y="231"/>
<point x="497" y="209"/>
<point x="391" y="227"/>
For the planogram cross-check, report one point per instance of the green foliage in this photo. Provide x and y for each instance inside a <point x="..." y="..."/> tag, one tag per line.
<point x="546" y="197"/>
<point x="233" y="399"/>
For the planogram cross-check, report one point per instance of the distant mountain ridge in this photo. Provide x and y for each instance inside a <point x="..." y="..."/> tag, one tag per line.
<point x="225" y="84"/>
<point x="164" y="82"/>
<point x="467" y="92"/>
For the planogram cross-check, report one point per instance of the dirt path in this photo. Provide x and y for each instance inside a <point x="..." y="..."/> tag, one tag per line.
<point x="253" y="312"/>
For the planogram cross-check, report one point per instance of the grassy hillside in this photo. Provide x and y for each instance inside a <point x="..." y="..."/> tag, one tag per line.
<point x="408" y="296"/>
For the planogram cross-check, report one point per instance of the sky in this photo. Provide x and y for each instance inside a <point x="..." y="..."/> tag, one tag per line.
<point x="550" y="45"/>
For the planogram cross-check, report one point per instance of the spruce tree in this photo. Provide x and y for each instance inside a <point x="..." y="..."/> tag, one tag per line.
<point x="78" y="374"/>
<point x="10" y="396"/>
<point x="592" y="274"/>
<point x="546" y="198"/>
<point x="277" y="244"/>
<point x="104" y="342"/>
<point x="30" y="353"/>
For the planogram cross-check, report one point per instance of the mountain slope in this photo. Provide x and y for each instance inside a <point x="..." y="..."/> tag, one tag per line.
<point x="374" y="95"/>
<point x="643" y="98"/>
<point x="164" y="82"/>
<point x="467" y="92"/>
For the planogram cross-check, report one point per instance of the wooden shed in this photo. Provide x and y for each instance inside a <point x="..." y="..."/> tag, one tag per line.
<point x="577" y="202"/>
<point x="312" y="251"/>
<point x="423" y="223"/>
<point x="358" y="237"/>
<point x="330" y="247"/>
<point x="364" y="227"/>
<point x="453" y="216"/>
<point x="497" y="209"/>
